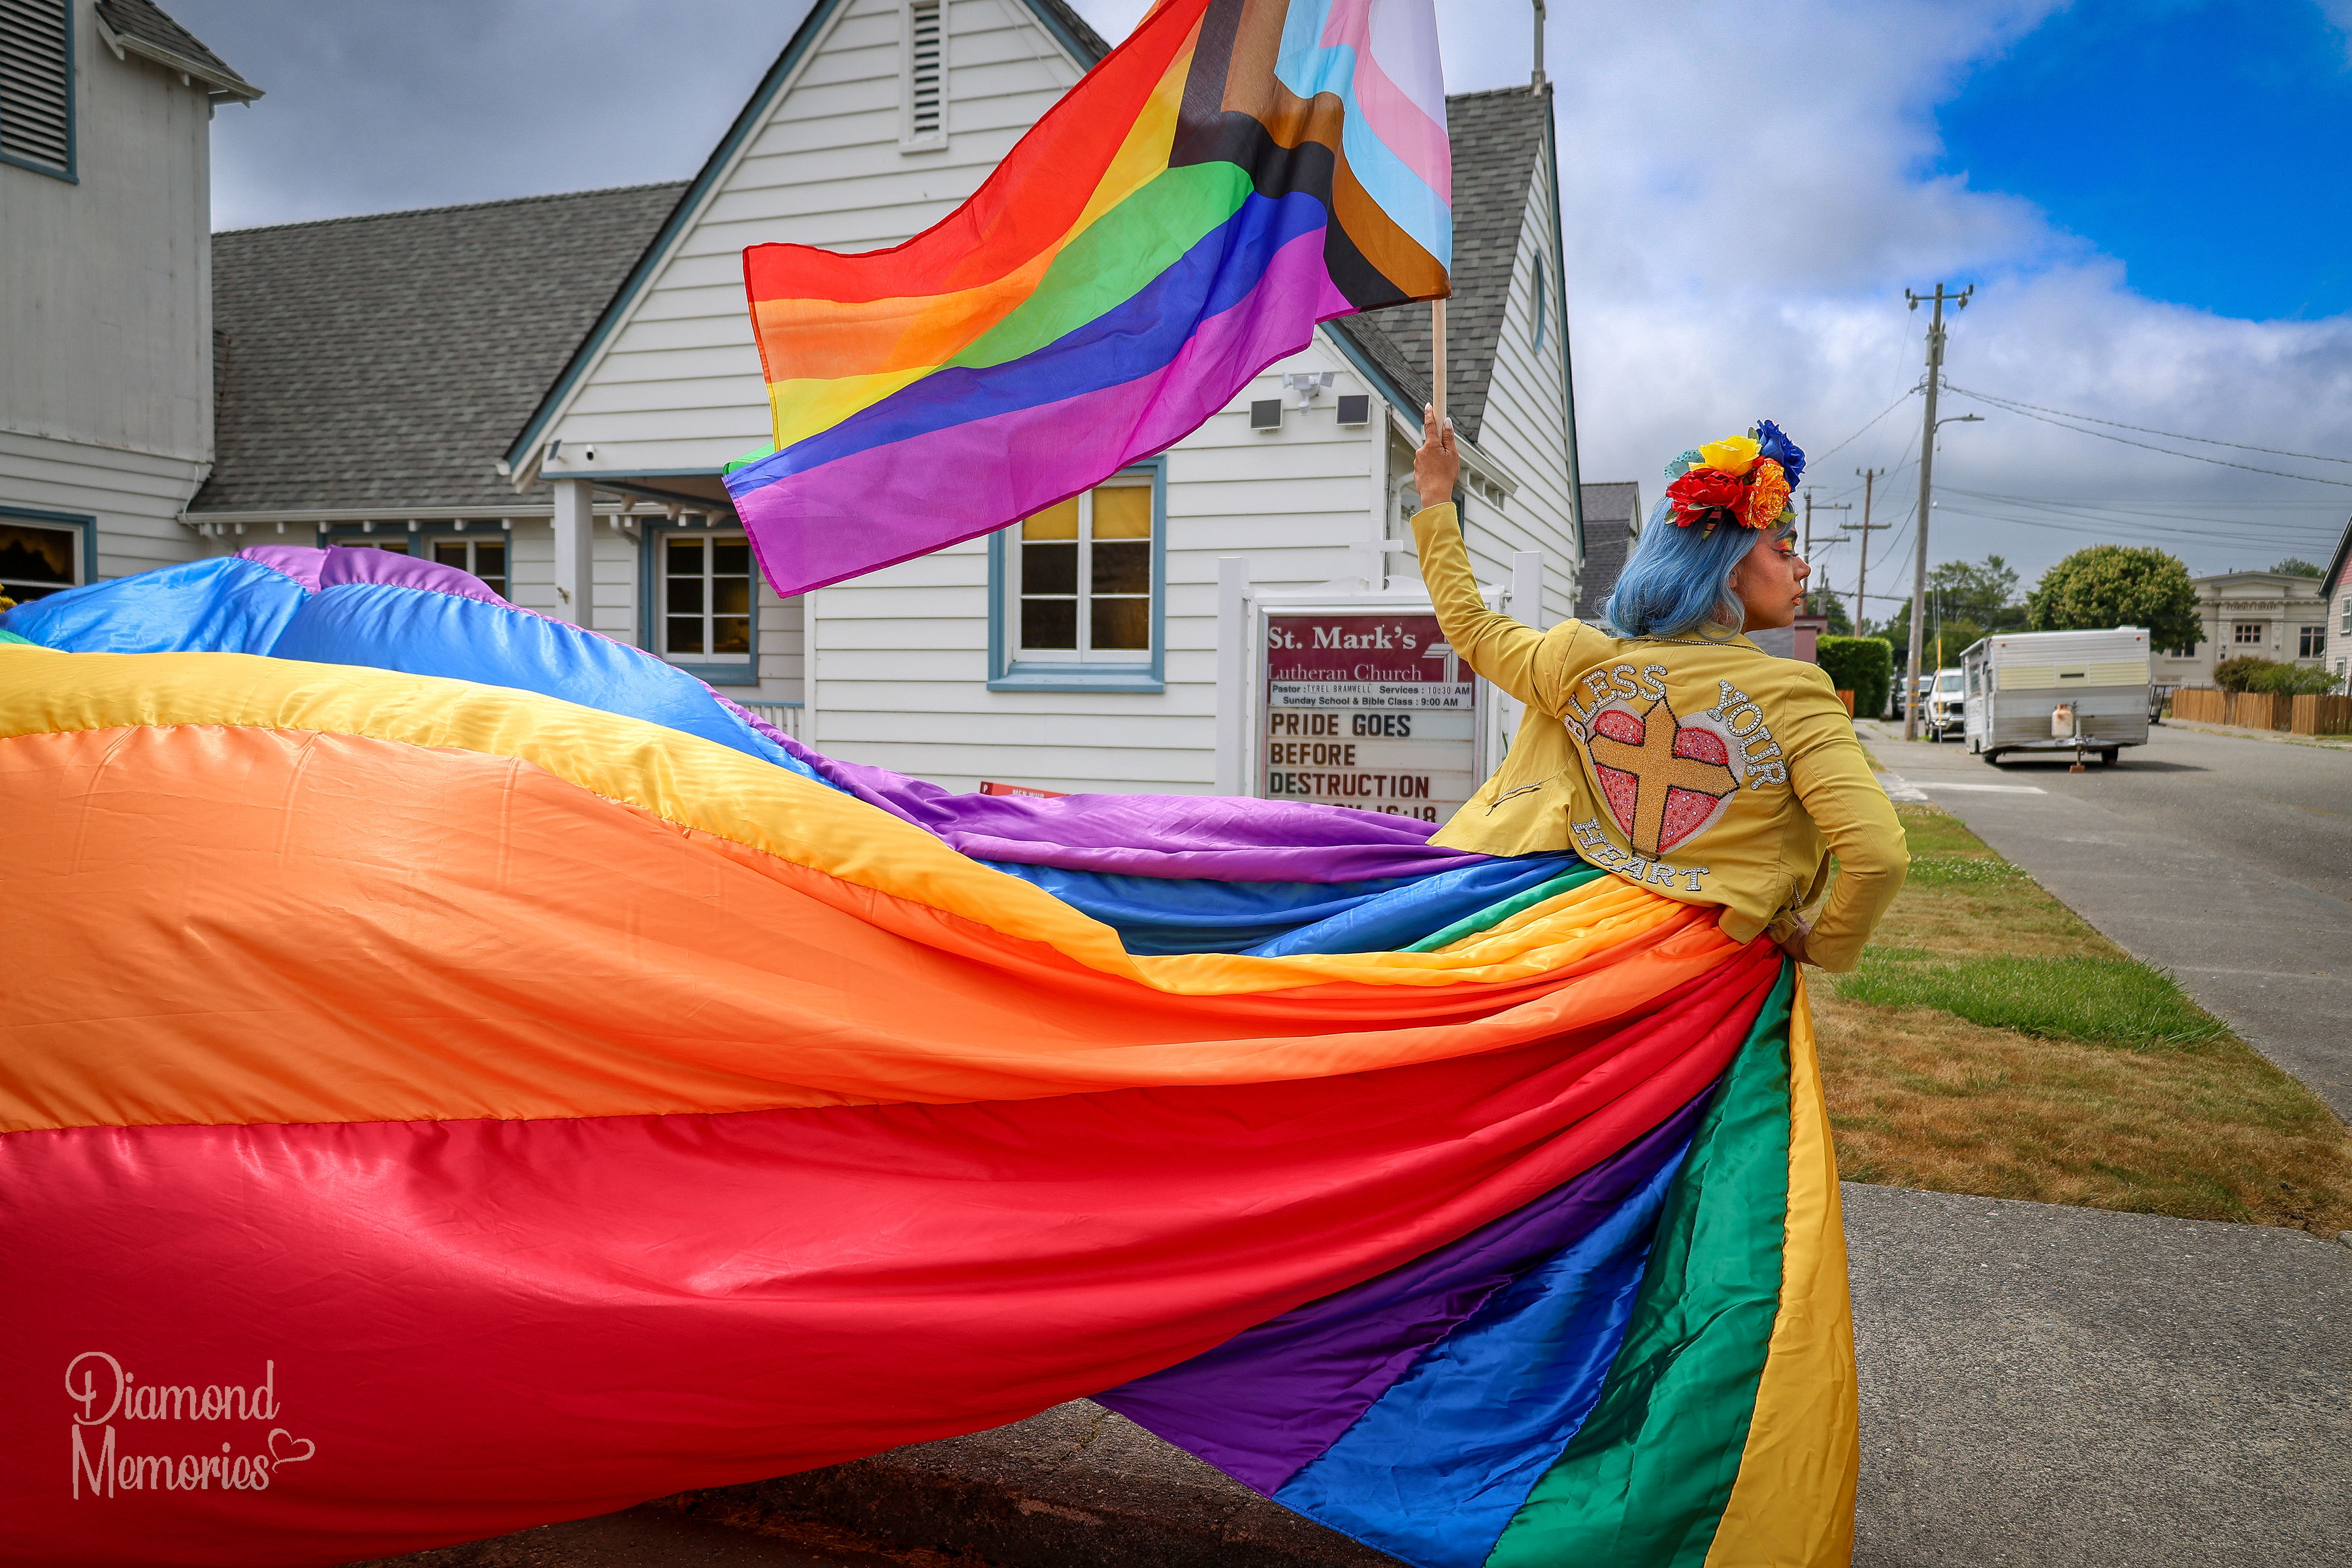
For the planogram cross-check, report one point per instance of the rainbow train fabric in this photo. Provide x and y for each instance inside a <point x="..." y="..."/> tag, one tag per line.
<point x="1234" y="173"/>
<point x="460" y="1073"/>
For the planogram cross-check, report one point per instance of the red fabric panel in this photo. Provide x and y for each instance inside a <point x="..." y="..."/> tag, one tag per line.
<point x="482" y="1325"/>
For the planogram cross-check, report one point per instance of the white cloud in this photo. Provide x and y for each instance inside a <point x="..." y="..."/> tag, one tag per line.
<point x="1748" y="195"/>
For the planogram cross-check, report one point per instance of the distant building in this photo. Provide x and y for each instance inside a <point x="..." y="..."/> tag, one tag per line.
<point x="2335" y="609"/>
<point x="2267" y="615"/>
<point x="106" y="303"/>
<point x="1612" y="521"/>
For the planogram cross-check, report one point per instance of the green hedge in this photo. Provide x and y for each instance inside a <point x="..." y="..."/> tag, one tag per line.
<point x="1864" y="666"/>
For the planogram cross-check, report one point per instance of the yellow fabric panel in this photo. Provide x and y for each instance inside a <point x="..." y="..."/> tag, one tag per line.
<point x="1792" y="1506"/>
<point x="709" y="788"/>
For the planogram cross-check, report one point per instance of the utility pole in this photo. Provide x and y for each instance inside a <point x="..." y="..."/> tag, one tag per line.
<point x="1840" y="506"/>
<point x="1927" y="496"/>
<point x="1869" y="478"/>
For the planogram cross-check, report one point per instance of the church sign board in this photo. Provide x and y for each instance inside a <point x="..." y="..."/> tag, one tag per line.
<point x="1366" y="707"/>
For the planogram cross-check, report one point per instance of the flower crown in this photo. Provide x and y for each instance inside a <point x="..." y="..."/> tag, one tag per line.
<point x="1744" y="479"/>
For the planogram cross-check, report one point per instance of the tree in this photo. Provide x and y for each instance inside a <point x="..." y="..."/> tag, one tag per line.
<point x="1864" y="666"/>
<point x="2117" y="586"/>
<point x="2296" y="566"/>
<point x="1967" y="600"/>
<point x="1833" y="606"/>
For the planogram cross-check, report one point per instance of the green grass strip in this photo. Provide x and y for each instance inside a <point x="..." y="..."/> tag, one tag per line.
<point x="1495" y="914"/>
<point x="1118" y="255"/>
<point x="1644" y="1481"/>
<point x="2106" y="1001"/>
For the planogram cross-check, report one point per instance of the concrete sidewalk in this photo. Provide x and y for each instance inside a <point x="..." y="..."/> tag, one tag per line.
<point x="2041" y="1386"/>
<point x="2224" y="861"/>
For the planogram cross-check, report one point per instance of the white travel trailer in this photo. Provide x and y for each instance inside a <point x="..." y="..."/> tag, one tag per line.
<point x="2057" y="692"/>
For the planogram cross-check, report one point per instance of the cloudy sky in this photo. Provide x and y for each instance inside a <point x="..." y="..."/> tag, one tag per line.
<point x="2145" y="194"/>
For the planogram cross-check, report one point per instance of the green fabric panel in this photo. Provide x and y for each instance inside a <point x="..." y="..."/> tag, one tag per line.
<point x="1495" y="914"/>
<point x="748" y="458"/>
<point x="1644" y="1481"/>
<point x="1113" y="258"/>
<point x="12" y="637"/>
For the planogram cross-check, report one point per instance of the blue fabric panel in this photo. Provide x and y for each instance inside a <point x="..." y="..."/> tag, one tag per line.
<point x="1434" y="1471"/>
<point x="1427" y="904"/>
<point x="1165" y="914"/>
<point x="420" y="632"/>
<point x="223" y="604"/>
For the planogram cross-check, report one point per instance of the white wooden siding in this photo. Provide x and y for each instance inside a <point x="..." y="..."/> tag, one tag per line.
<point x="135" y="496"/>
<point x="106" y="285"/>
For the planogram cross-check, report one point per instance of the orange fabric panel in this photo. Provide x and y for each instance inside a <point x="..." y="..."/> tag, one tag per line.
<point x="228" y="924"/>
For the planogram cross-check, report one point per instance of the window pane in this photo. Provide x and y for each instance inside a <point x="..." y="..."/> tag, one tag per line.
<point x="1122" y="625"/>
<point x="1049" y="569"/>
<point x="1123" y="511"/>
<point x="731" y="556"/>
<point x="1049" y="623"/>
<point x="730" y="634"/>
<point x="685" y="557"/>
<point x="450" y="552"/>
<point x="685" y="596"/>
<point x="731" y="595"/>
<point x="1054" y="522"/>
<point x="496" y="585"/>
<point x="686" y="633"/>
<point x="1123" y="568"/>
<point x="29" y="554"/>
<point x="397" y="546"/>
<point x="490" y="561"/>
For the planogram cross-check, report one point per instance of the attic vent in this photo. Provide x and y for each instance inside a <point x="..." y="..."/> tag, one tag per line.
<point x="925" y="73"/>
<point x="37" y="85"/>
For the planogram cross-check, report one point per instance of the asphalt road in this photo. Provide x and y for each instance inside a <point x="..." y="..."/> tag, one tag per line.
<point x="2223" y="858"/>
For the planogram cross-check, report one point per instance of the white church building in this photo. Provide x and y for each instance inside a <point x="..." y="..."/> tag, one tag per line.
<point x="544" y="392"/>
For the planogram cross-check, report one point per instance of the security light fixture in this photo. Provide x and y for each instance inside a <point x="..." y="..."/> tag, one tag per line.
<point x="1266" y="414"/>
<point x="1309" y="384"/>
<point x="1356" y="409"/>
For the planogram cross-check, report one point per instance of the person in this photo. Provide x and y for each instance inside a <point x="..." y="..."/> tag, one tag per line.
<point x="1664" y="746"/>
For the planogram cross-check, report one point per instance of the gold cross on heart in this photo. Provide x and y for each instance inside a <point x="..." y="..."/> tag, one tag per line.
<point x="1659" y="763"/>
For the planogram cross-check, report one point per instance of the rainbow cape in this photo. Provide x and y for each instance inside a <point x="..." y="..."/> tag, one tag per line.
<point x="456" y="1072"/>
<point x="1234" y="173"/>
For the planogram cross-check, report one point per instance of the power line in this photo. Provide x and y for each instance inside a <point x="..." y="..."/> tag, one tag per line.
<point x="1909" y="392"/>
<point x="2006" y="407"/>
<point x="2143" y="429"/>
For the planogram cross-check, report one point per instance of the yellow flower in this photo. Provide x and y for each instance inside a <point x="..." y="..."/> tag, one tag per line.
<point x="1735" y="455"/>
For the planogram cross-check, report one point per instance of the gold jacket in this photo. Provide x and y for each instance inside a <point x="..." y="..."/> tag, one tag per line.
<point x="1707" y="771"/>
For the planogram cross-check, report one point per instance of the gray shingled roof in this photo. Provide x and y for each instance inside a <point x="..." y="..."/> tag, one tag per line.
<point x="386" y="359"/>
<point x="143" y="21"/>
<point x="1498" y="138"/>
<point x="1608" y="539"/>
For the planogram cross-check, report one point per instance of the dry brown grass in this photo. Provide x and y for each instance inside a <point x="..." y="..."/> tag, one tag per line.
<point x="1921" y="1097"/>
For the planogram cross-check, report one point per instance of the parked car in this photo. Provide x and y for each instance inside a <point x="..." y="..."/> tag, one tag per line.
<point x="2065" y="693"/>
<point x="1944" y="714"/>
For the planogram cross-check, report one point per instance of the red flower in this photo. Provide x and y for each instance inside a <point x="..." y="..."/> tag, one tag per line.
<point x="1703" y="490"/>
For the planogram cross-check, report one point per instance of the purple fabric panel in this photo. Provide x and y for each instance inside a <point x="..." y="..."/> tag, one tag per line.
<point x="1175" y="835"/>
<point x="316" y="569"/>
<point x="299" y="562"/>
<point x="1270" y="1399"/>
<point x="805" y="538"/>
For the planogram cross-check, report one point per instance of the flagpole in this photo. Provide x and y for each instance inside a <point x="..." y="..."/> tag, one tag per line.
<point x="1438" y="359"/>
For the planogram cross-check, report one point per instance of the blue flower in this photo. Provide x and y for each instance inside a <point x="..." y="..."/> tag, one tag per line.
<point x="1781" y="449"/>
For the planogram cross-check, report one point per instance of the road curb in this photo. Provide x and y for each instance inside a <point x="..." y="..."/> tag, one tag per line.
<point x="1075" y="1486"/>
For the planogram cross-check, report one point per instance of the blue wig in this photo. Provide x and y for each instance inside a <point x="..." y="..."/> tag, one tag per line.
<point x="1679" y="579"/>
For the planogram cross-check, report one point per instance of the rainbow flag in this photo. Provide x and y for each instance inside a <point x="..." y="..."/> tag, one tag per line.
<point x="458" y="1073"/>
<point x="1234" y="173"/>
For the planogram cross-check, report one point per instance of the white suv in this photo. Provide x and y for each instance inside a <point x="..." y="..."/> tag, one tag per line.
<point x="1945" y="715"/>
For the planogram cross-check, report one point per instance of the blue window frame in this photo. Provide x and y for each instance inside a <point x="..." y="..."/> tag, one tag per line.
<point x="483" y="548"/>
<point x="699" y="603"/>
<point x="37" y="90"/>
<point x="1077" y="594"/>
<point x="44" y="552"/>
